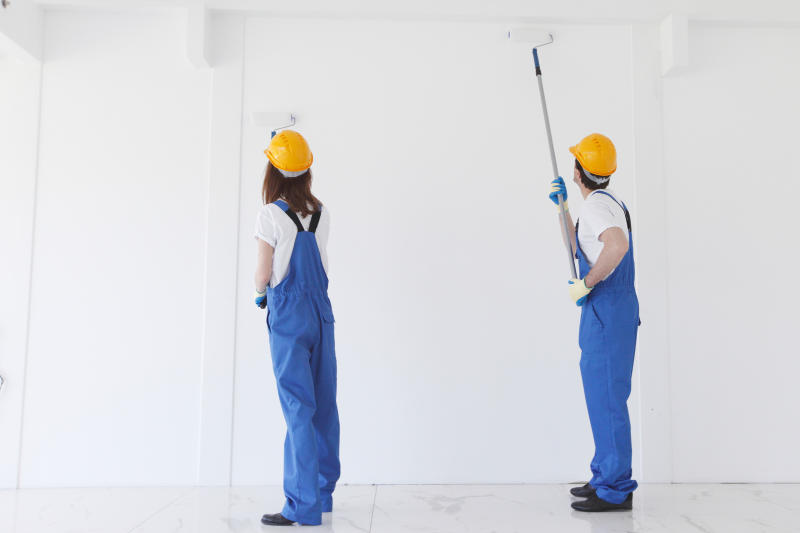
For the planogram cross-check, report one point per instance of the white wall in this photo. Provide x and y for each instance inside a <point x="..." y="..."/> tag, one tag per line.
<point x="730" y="143"/>
<point x="455" y="340"/>
<point x="113" y="362"/>
<point x="19" y="118"/>
<point x="221" y="255"/>
<point x="457" y="345"/>
<point x="650" y="253"/>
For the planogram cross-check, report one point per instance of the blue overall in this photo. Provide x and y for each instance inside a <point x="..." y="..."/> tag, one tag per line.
<point x="607" y="337"/>
<point x="300" y="323"/>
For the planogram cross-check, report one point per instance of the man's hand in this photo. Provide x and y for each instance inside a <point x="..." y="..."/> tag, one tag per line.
<point x="557" y="186"/>
<point x="578" y="291"/>
<point x="261" y="298"/>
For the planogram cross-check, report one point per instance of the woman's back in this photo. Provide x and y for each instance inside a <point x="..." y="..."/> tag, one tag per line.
<point x="274" y="227"/>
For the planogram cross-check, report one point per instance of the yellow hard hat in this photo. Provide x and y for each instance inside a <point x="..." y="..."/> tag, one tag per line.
<point x="596" y="154"/>
<point x="289" y="152"/>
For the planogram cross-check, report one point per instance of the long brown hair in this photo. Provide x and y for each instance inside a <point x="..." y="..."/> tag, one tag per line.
<point x="295" y="191"/>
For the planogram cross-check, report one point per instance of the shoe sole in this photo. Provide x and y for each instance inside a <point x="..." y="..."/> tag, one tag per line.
<point x="621" y="509"/>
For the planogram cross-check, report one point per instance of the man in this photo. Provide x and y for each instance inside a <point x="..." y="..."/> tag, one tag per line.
<point x="609" y="321"/>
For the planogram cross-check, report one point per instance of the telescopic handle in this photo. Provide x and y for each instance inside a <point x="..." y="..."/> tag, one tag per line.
<point x="561" y="210"/>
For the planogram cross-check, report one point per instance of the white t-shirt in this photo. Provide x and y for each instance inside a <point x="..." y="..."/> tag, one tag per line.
<point x="598" y="213"/>
<point x="274" y="227"/>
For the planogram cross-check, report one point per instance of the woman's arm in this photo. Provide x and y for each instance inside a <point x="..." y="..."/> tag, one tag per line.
<point x="263" y="265"/>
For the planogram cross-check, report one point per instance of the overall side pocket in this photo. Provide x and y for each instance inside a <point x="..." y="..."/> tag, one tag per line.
<point x="327" y="315"/>
<point x="596" y="314"/>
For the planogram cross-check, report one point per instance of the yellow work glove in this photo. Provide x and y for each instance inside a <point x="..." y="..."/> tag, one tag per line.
<point x="578" y="291"/>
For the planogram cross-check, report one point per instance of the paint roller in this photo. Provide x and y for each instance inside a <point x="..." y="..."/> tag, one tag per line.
<point x="537" y="39"/>
<point x="272" y="121"/>
<point x="269" y="119"/>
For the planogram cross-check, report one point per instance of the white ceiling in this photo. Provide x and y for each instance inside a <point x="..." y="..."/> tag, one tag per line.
<point x="609" y="11"/>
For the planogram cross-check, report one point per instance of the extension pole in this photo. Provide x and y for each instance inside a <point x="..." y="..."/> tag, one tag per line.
<point x="562" y="212"/>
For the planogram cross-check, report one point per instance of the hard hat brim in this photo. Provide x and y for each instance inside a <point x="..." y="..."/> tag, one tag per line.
<point x="606" y="172"/>
<point x="604" y="164"/>
<point x="298" y="169"/>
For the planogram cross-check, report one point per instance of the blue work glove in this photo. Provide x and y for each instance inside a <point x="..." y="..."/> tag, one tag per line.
<point x="557" y="186"/>
<point x="261" y="298"/>
<point x="578" y="291"/>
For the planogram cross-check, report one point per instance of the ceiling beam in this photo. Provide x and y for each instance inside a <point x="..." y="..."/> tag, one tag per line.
<point x="674" y="44"/>
<point x="515" y="12"/>
<point x="197" y="34"/>
<point x="21" y="30"/>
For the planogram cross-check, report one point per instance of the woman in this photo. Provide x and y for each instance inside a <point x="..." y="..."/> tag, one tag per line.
<point x="291" y="281"/>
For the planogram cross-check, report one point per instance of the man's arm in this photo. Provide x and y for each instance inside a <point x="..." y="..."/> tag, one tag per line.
<point x="615" y="246"/>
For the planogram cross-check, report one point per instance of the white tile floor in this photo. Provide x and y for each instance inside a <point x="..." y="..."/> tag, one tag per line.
<point x="411" y="508"/>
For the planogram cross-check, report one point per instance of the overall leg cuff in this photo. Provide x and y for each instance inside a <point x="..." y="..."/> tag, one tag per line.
<point x="613" y="495"/>
<point x="327" y="504"/>
<point x="306" y="519"/>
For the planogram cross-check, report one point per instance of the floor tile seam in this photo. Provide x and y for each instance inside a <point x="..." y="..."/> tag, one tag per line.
<point x="372" y="511"/>
<point x="163" y="508"/>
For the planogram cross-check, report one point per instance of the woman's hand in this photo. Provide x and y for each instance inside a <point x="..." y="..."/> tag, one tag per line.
<point x="263" y="272"/>
<point x="261" y="298"/>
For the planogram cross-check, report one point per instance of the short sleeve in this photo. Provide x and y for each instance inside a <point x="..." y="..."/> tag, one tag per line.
<point x="324" y="229"/>
<point x="265" y="227"/>
<point x="599" y="217"/>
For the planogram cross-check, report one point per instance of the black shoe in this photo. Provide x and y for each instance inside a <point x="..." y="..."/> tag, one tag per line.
<point x="276" y="520"/>
<point x="595" y="504"/>
<point x="582" y="492"/>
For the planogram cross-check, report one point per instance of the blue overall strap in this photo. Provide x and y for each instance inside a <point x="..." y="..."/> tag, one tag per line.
<point x="291" y="214"/>
<point x="622" y="205"/>
<point x="312" y="227"/>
